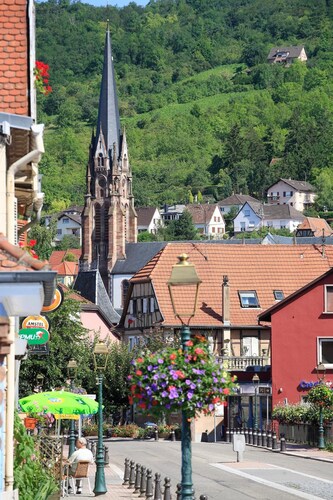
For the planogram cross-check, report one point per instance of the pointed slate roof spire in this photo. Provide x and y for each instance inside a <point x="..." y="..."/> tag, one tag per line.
<point x="108" y="121"/>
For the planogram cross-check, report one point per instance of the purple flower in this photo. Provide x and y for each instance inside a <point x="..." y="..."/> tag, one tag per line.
<point x="156" y="376"/>
<point x="149" y="368"/>
<point x="164" y="394"/>
<point x="189" y="395"/>
<point x="199" y="404"/>
<point x="168" y="406"/>
<point x="160" y="361"/>
<point x="154" y="386"/>
<point x="173" y="393"/>
<point x="192" y="386"/>
<point x="188" y="382"/>
<point x="211" y="407"/>
<point x="215" y="380"/>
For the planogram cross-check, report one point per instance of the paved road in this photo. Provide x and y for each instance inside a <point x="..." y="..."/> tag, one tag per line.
<point x="262" y="475"/>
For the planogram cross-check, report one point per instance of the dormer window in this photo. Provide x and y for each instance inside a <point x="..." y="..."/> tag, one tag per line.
<point x="248" y="298"/>
<point x="278" y="294"/>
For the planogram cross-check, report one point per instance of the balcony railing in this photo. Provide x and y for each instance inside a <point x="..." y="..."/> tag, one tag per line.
<point x="241" y="363"/>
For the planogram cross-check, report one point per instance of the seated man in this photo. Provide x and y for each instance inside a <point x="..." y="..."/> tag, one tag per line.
<point x="80" y="454"/>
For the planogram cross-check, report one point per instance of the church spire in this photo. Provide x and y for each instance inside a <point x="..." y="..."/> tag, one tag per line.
<point x="108" y="122"/>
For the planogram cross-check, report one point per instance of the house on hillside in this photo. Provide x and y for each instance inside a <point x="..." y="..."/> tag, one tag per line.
<point x="254" y="216"/>
<point x="68" y="223"/>
<point x="314" y="226"/>
<point x="235" y="201"/>
<point x="149" y="219"/>
<point x="238" y="283"/>
<point x="295" y="358"/>
<point x="207" y="219"/>
<point x="171" y="212"/>
<point x="287" y="55"/>
<point x="298" y="194"/>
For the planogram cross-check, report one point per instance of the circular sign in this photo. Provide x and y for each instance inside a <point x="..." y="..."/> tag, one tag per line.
<point x="35" y="322"/>
<point x="34" y="336"/>
<point x="56" y="302"/>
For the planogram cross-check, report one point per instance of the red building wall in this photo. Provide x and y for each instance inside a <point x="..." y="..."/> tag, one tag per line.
<point x="295" y="329"/>
<point x="14" y="57"/>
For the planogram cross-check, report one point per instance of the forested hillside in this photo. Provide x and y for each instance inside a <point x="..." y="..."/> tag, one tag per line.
<point x="203" y="109"/>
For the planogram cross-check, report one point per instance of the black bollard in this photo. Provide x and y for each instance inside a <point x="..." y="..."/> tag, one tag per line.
<point x="227" y="435"/>
<point x="137" y="478"/>
<point x="269" y="439"/>
<point x="274" y="441"/>
<point x="149" y="487"/>
<point x="255" y="437"/>
<point x="126" y="471"/>
<point x="246" y="434"/>
<point x="156" y="435"/>
<point x="259" y="437"/>
<point x="167" y="489"/>
<point x="264" y="438"/>
<point x="132" y="475"/>
<point x="282" y="442"/>
<point x="106" y="456"/>
<point x="179" y="492"/>
<point x="173" y="435"/>
<point x="143" y="482"/>
<point x="250" y="436"/>
<point x="157" y="489"/>
<point x="203" y="497"/>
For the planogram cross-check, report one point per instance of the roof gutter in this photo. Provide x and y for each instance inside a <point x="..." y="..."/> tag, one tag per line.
<point x="48" y="278"/>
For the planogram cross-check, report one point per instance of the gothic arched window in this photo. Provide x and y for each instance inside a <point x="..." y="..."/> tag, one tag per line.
<point x="100" y="160"/>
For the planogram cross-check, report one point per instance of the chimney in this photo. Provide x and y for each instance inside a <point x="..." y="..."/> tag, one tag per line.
<point x="225" y="301"/>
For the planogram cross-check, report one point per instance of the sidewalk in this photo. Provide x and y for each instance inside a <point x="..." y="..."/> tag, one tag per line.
<point x="305" y="451"/>
<point x="113" y="483"/>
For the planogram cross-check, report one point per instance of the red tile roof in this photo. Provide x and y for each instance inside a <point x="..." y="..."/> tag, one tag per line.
<point x="318" y="226"/>
<point x="16" y="259"/>
<point x="259" y="267"/>
<point x="59" y="256"/>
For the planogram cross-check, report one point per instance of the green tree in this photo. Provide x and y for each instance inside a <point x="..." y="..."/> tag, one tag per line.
<point x="181" y="229"/>
<point x="68" y="241"/>
<point x="44" y="236"/>
<point x="66" y="330"/>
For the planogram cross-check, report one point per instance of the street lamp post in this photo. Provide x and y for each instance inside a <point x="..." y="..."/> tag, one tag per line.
<point x="256" y="381"/>
<point x="321" y="370"/>
<point x="101" y="353"/>
<point x="183" y="274"/>
<point x="71" y="373"/>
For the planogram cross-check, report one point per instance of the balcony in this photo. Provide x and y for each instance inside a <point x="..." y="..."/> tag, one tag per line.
<point x="242" y="363"/>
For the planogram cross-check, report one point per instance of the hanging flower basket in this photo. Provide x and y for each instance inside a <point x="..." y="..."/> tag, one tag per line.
<point x="171" y="380"/>
<point x="30" y="423"/>
<point x="321" y="395"/>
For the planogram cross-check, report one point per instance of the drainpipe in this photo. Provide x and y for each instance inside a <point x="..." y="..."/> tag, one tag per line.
<point x="226" y="314"/>
<point x="33" y="156"/>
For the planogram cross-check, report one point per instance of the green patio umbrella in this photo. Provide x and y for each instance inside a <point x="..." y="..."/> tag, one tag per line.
<point x="59" y="402"/>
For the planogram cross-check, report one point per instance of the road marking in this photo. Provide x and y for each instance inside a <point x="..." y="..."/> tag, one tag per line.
<point x="117" y="471"/>
<point x="276" y="486"/>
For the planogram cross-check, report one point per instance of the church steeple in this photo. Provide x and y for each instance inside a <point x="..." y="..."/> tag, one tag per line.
<point x="108" y="123"/>
<point x="109" y="220"/>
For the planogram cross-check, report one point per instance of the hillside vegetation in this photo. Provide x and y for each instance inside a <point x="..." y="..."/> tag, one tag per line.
<point x="203" y="109"/>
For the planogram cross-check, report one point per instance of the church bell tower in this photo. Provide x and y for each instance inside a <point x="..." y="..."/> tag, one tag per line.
<point x="109" y="220"/>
